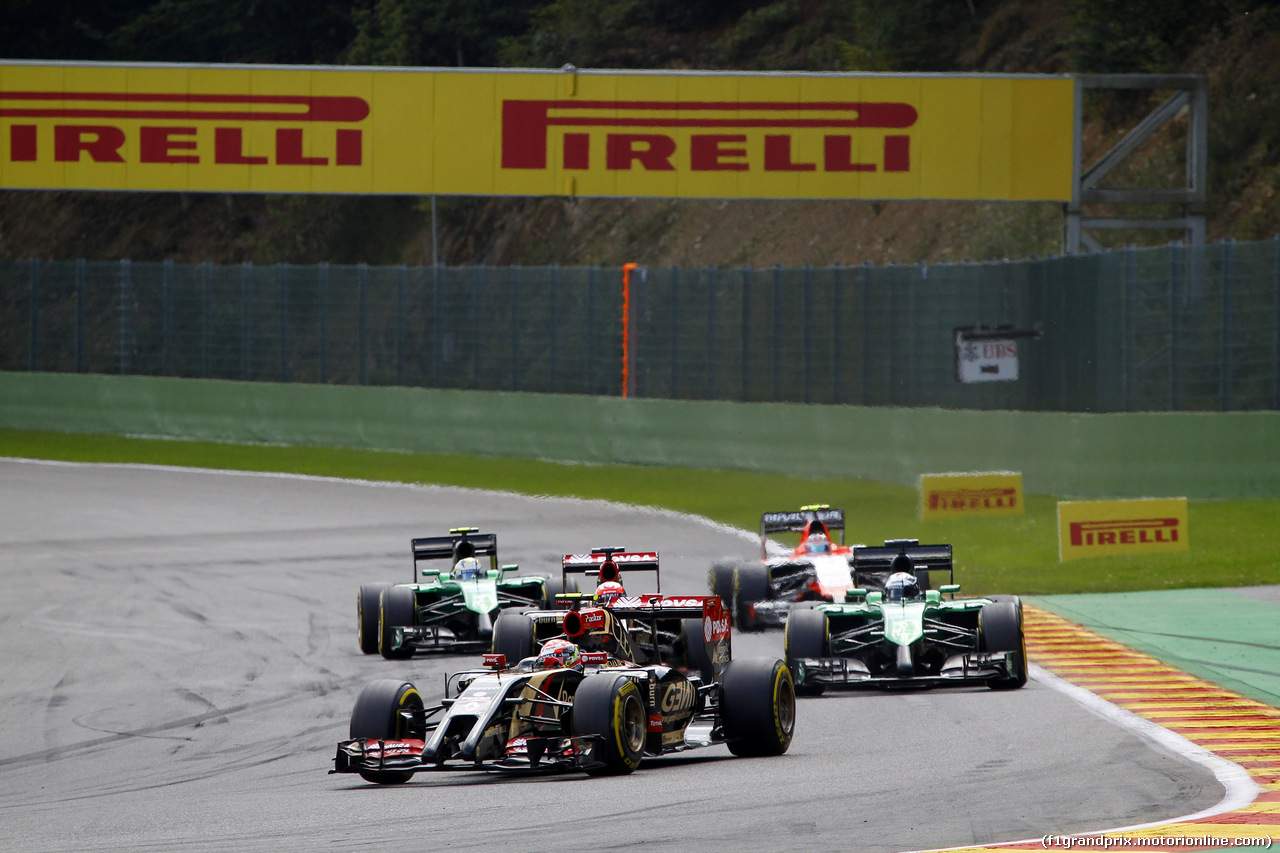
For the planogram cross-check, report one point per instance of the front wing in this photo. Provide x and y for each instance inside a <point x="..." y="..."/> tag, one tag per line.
<point x="851" y="673"/>
<point x="531" y="754"/>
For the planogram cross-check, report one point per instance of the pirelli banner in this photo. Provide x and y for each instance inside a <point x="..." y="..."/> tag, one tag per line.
<point x="963" y="495"/>
<point x="1108" y="528"/>
<point x="487" y="132"/>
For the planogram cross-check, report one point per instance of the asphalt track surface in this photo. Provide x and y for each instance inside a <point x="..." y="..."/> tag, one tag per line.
<point x="178" y="661"/>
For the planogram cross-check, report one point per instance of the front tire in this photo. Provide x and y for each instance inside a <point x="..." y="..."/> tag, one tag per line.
<point x="1000" y="630"/>
<point x="757" y="706"/>
<point x="368" y="603"/>
<point x="806" y="636"/>
<point x="610" y="707"/>
<point x="376" y="715"/>
<point x="514" y="636"/>
<point x="398" y="608"/>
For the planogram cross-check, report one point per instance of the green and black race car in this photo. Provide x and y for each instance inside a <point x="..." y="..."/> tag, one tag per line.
<point x="451" y="609"/>
<point x="906" y="635"/>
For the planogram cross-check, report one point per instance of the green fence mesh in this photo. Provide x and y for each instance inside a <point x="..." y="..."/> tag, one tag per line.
<point x="1168" y="329"/>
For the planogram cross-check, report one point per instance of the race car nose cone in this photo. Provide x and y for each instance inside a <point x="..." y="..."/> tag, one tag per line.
<point x="906" y="667"/>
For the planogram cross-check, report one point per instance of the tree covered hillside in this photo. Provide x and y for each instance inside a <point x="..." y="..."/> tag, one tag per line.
<point x="1235" y="41"/>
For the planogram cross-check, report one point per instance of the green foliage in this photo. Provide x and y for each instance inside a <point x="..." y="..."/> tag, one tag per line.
<point x="1001" y="231"/>
<point x="1232" y="542"/>
<point x="259" y="31"/>
<point x="72" y="29"/>
<point x="340" y="229"/>
<point x="910" y="35"/>
<point x="436" y="32"/>
<point x="1148" y="36"/>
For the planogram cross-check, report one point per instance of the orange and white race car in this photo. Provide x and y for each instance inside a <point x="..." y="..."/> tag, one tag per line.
<point x="817" y="569"/>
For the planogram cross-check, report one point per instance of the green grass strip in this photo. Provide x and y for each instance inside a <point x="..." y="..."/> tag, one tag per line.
<point x="1233" y="543"/>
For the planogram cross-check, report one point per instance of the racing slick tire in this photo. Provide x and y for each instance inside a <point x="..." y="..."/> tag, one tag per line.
<point x="377" y="715"/>
<point x="696" y="659"/>
<point x="720" y="582"/>
<point x="514" y="636"/>
<point x="368" y="602"/>
<point x="611" y="707"/>
<point x="757" y="706"/>
<point x="750" y="584"/>
<point x="556" y="586"/>
<point x="397" y="608"/>
<point x="1000" y="630"/>
<point x="1017" y="602"/>
<point x="805" y="636"/>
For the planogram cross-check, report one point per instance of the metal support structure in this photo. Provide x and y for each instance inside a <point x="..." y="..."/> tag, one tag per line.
<point x="1190" y="92"/>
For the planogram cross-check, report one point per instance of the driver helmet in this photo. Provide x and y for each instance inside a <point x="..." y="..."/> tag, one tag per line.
<point x="901" y="586"/>
<point x="609" y="592"/>
<point x="559" y="654"/>
<point x="467" y="569"/>
<point x="817" y="543"/>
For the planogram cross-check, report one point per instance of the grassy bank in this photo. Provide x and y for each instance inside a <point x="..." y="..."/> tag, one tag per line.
<point x="1233" y="543"/>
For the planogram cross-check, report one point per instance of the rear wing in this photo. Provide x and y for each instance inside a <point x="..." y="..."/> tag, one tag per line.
<point x="462" y="542"/>
<point x="646" y="611"/>
<point x="608" y="563"/>
<point x="875" y="559"/>
<point x="801" y="521"/>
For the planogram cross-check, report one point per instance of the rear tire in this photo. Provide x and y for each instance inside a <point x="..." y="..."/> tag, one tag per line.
<point x="377" y="715"/>
<point x="720" y="582"/>
<point x="514" y="636"/>
<point x="750" y="584"/>
<point x="1000" y="630"/>
<point x="806" y="636"/>
<point x="367" y="606"/>
<point x="398" y="608"/>
<point x="611" y="707"/>
<point x="554" y="586"/>
<point x="757" y="706"/>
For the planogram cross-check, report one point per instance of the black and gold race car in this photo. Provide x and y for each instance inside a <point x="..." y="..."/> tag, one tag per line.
<point x="602" y="715"/>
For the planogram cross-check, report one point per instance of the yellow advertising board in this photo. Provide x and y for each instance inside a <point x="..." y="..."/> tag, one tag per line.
<point x="982" y="493"/>
<point x="1105" y="528"/>
<point x="545" y="133"/>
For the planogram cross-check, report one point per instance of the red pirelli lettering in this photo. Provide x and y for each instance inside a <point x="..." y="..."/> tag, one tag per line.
<point x="158" y="144"/>
<point x="1129" y="531"/>
<point x="526" y="126"/>
<point x="101" y="142"/>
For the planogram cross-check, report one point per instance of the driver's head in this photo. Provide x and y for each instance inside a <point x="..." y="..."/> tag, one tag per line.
<point x="608" y="592"/>
<point x="817" y="543"/>
<point x="901" y="586"/>
<point x="559" y="654"/>
<point x="467" y="569"/>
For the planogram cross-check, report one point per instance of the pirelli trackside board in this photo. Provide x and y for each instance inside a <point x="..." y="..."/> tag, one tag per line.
<point x="524" y="132"/>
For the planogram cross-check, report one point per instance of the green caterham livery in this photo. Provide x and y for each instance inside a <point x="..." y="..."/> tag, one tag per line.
<point x="451" y="609"/>
<point x="906" y="635"/>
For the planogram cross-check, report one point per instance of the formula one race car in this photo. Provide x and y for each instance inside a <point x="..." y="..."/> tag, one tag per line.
<point x="575" y="708"/>
<point x="905" y="635"/>
<point x="816" y="570"/>
<point x="625" y="626"/>
<point x="452" y="609"/>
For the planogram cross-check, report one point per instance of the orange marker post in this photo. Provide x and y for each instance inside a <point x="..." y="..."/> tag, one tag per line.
<point x="626" y="326"/>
